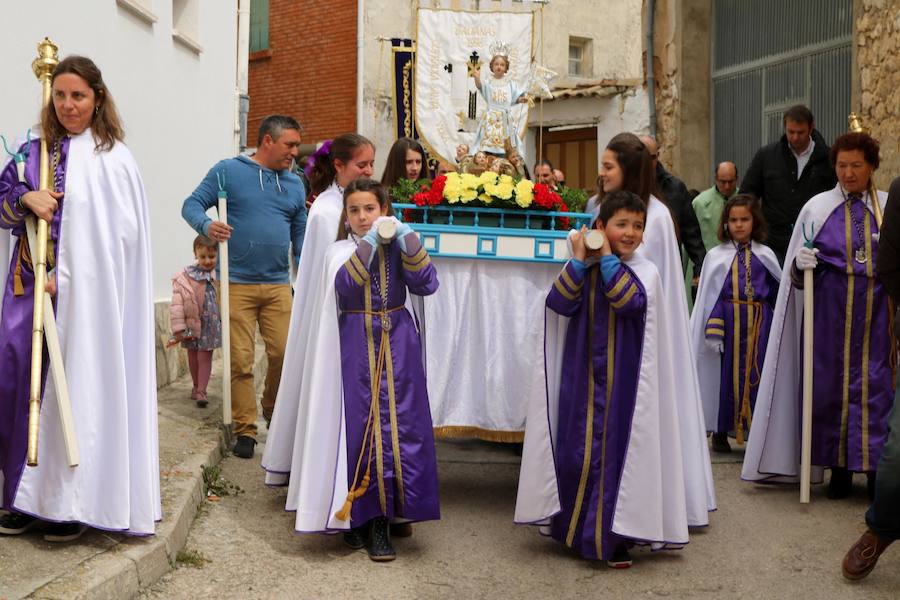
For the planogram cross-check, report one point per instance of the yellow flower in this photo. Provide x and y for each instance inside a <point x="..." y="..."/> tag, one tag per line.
<point x="504" y="190"/>
<point x="468" y="194"/>
<point x="486" y="198"/>
<point x="488" y="177"/>
<point x="506" y="179"/>
<point x="524" y="193"/>
<point x="469" y="181"/>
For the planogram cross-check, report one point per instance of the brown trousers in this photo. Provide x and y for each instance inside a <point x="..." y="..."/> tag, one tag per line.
<point x="269" y="305"/>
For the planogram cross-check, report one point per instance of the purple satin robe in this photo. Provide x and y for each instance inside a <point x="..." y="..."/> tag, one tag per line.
<point x="598" y="389"/>
<point x="15" y="328"/>
<point x="742" y="321"/>
<point x="852" y="377"/>
<point x="403" y="467"/>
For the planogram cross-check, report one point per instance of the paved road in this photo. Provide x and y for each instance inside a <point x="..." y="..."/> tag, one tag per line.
<point x="761" y="544"/>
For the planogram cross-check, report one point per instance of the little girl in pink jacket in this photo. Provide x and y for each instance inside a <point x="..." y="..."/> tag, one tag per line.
<point x="194" y="314"/>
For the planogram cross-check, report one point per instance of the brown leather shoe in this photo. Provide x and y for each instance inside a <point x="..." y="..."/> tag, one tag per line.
<point x="861" y="558"/>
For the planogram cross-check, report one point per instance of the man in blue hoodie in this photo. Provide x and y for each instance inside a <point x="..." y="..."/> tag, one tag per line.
<point x="266" y="223"/>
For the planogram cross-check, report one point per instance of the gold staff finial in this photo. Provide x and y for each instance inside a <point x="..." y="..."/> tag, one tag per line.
<point x="47" y="59"/>
<point x="855" y="124"/>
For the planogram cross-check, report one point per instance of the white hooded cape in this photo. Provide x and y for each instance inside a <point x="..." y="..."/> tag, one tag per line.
<point x="651" y="502"/>
<point x="106" y="329"/>
<point x="716" y="268"/>
<point x="661" y="248"/>
<point x="773" y="450"/>
<point x="321" y="231"/>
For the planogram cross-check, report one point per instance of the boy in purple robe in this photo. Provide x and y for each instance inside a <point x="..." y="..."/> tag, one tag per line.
<point x="392" y="469"/>
<point x="731" y="319"/>
<point x="617" y="480"/>
<point x="836" y="237"/>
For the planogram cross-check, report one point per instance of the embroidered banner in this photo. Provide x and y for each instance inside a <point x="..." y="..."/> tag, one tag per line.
<point x="447" y="106"/>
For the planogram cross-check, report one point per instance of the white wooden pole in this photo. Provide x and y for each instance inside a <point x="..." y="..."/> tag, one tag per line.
<point x="57" y="367"/>
<point x="226" y="316"/>
<point x="806" y="437"/>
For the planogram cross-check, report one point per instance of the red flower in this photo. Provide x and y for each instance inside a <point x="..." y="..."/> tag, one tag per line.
<point x="563" y="223"/>
<point x="421" y="199"/>
<point x="437" y="186"/>
<point x="544" y="197"/>
<point x="408" y="215"/>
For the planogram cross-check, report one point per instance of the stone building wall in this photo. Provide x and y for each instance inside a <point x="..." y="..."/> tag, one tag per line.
<point x="877" y="39"/>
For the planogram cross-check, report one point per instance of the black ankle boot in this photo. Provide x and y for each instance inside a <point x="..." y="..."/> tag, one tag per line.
<point x="380" y="548"/>
<point x="720" y="443"/>
<point x="840" y="485"/>
<point x="870" y="485"/>
<point x="356" y="537"/>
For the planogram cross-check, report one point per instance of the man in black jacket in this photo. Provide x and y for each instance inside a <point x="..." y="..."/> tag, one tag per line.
<point x="676" y="197"/>
<point x="883" y="517"/>
<point x="787" y="173"/>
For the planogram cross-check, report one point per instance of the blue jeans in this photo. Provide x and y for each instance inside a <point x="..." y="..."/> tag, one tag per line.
<point x="883" y="517"/>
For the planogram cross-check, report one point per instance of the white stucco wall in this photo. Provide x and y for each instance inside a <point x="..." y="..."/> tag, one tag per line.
<point x="614" y="57"/>
<point x="177" y="105"/>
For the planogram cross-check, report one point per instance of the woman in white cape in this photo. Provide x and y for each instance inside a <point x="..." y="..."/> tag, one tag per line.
<point x="101" y="277"/>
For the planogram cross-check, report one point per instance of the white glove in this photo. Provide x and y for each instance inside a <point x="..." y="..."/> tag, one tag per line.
<point x="715" y="345"/>
<point x="569" y="250"/>
<point x="806" y="258"/>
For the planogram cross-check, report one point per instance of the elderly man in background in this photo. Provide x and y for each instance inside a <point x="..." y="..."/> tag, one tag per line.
<point x="708" y="204"/>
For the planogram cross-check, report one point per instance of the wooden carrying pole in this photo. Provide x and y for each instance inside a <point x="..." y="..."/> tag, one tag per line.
<point x="43" y="67"/>
<point x="57" y="368"/>
<point x="224" y="309"/>
<point x="806" y="437"/>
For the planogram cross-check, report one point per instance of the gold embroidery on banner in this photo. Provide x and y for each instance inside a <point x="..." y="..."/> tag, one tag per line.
<point x="867" y="330"/>
<point x="392" y="399"/>
<point x="589" y="419"/>
<point x="848" y="330"/>
<point x="562" y="290"/>
<point x="610" y="370"/>
<point x="407" y="103"/>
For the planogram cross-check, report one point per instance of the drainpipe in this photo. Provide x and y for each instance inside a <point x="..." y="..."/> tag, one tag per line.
<point x="651" y="90"/>
<point x="360" y="58"/>
<point x="242" y="99"/>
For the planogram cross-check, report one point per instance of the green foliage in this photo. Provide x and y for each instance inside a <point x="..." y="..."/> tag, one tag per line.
<point x="405" y="188"/>
<point x="216" y="485"/>
<point x="575" y="198"/>
<point x="191" y="558"/>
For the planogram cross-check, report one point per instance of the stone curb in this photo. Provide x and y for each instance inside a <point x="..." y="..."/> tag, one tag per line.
<point x="138" y="562"/>
<point x="135" y="563"/>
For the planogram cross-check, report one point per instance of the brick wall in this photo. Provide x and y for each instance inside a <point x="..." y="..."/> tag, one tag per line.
<point x="309" y="70"/>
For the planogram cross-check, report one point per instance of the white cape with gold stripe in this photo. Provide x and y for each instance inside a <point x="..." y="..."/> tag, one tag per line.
<point x="660" y="247"/>
<point x="716" y="267"/>
<point x="321" y="231"/>
<point x="651" y="501"/>
<point x="773" y="450"/>
<point x="106" y="330"/>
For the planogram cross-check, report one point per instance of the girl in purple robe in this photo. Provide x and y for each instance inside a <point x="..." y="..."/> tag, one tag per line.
<point x="731" y="320"/>
<point x="391" y="465"/>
